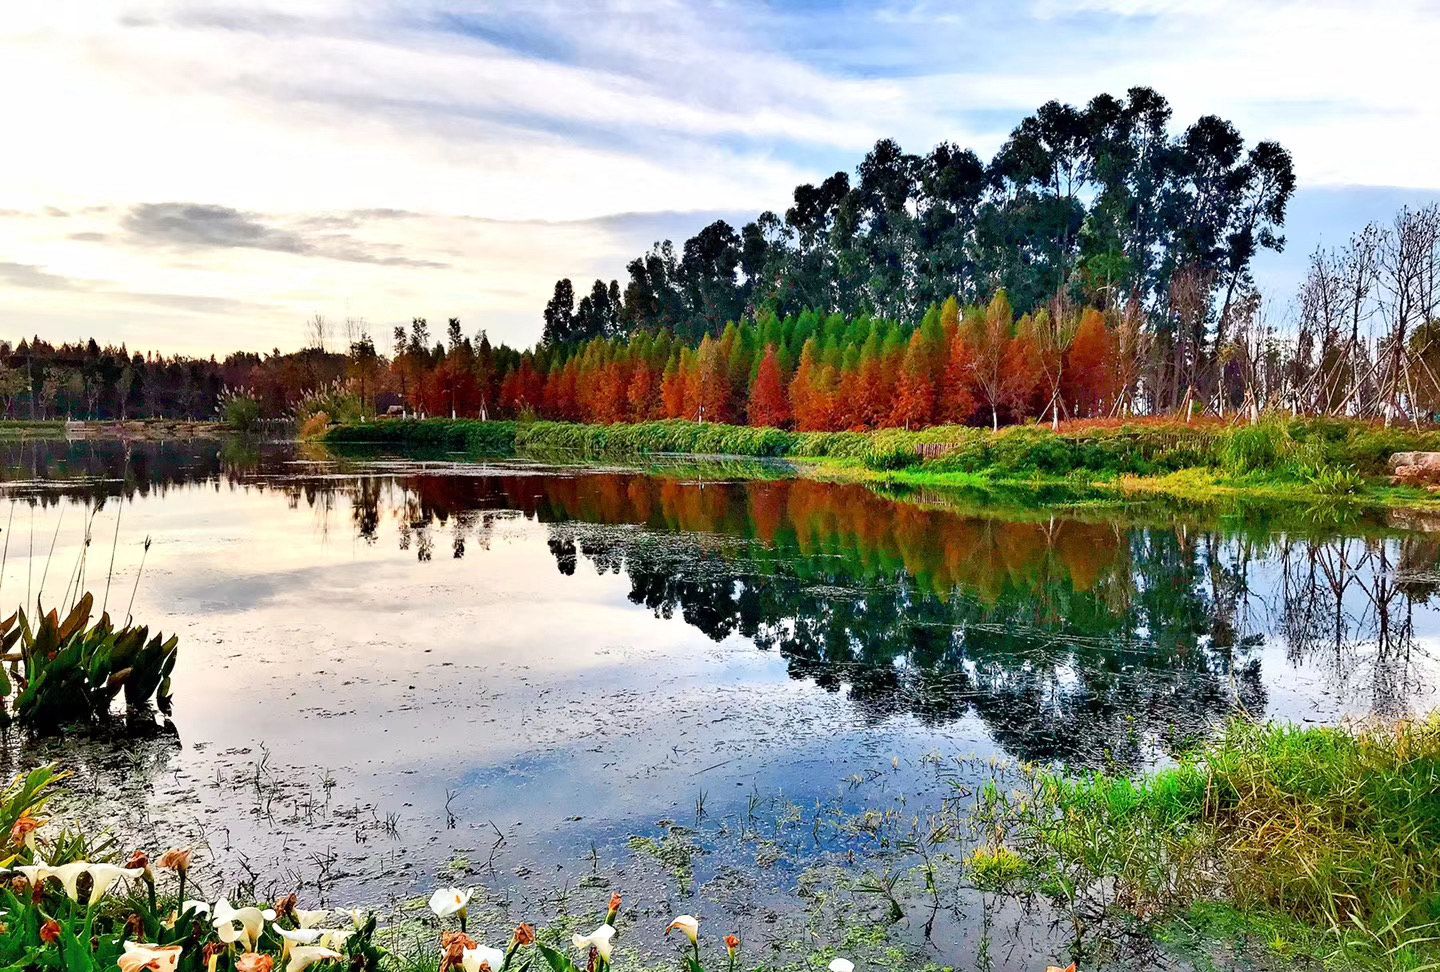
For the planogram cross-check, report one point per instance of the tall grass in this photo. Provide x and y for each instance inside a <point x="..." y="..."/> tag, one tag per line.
<point x="1332" y="834"/>
<point x="459" y="435"/>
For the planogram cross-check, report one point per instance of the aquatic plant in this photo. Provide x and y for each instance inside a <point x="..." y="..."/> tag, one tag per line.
<point x="474" y="437"/>
<point x="69" y="670"/>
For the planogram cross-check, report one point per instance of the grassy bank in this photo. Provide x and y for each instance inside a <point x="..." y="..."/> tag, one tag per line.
<point x="26" y="429"/>
<point x="1283" y="459"/>
<point x="462" y="435"/>
<point x="1318" y="844"/>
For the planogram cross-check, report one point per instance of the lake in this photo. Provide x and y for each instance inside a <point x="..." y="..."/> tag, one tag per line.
<point x="739" y="696"/>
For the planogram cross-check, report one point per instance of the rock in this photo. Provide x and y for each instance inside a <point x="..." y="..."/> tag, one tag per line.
<point x="1424" y="460"/>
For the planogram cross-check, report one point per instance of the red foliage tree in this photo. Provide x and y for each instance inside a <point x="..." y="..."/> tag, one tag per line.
<point x="957" y="395"/>
<point x="1089" y="378"/>
<point x="768" y="405"/>
<point x="915" y="393"/>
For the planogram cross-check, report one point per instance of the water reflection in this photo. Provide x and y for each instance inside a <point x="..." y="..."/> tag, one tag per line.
<point x="488" y="642"/>
<point x="1080" y="641"/>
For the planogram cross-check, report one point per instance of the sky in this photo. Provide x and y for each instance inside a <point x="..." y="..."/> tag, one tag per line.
<point x="200" y="177"/>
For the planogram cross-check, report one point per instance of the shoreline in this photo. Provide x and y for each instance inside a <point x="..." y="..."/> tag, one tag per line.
<point x="1006" y="466"/>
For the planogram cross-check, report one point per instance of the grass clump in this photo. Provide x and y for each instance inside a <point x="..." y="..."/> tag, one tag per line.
<point x="1330" y="833"/>
<point x="454" y="435"/>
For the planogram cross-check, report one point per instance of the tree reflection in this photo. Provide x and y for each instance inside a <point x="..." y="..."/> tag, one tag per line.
<point x="1087" y="641"/>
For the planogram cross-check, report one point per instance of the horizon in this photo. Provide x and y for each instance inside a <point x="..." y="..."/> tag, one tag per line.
<point x="205" y="177"/>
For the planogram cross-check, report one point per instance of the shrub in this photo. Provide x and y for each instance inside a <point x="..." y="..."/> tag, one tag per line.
<point x="1252" y="448"/>
<point x="1334" y="830"/>
<point x="69" y="671"/>
<point x="315" y="426"/>
<point x="454" y="435"/>
<point x="239" y="409"/>
<point x="336" y="400"/>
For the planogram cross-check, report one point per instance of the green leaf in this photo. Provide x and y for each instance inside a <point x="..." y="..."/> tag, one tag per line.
<point x="558" y="961"/>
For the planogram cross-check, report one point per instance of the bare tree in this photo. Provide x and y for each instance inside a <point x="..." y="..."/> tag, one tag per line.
<point x="1407" y="271"/>
<point x="317" y="332"/>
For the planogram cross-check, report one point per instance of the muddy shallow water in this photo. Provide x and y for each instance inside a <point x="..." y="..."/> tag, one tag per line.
<point x="728" y="697"/>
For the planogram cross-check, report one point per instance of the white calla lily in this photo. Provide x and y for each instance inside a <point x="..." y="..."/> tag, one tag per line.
<point x="599" y="939"/>
<point x="358" y="917"/>
<point x="688" y="924"/>
<point x="304" y="956"/>
<point x="310" y="919"/>
<point x="449" y="901"/>
<point x="69" y="875"/>
<point x="335" y="937"/>
<point x="296" y="936"/>
<point x="152" y="958"/>
<point x="199" y="908"/>
<point x="35" y="873"/>
<point x="842" y="965"/>
<point x="482" y="957"/>
<point x="299" y="936"/>
<point x="104" y="876"/>
<point x="240" y="925"/>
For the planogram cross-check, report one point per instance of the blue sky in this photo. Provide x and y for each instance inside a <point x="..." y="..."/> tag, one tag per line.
<point x="206" y="175"/>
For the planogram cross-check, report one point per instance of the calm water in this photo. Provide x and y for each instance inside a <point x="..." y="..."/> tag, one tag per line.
<point x="542" y="679"/>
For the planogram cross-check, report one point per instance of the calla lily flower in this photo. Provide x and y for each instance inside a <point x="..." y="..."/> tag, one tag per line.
<point x="335" y="937"/>
<point x="69" y="875"/>
<point x="482" y="957"/>
<point x="199" y="908"/>
<point x="240" y="925"/>
<point x="357" y="916"/>
<point x="304" y="956"/>
<point x="104" y="876"/>
<point x="599" y="939"/>
<point x="842" y="965"/>
<point x="35" y="873"/>
<point x="152" y="958"/>
<point x="309" y="919"/>
<point x="449" y="901"/>
<point x="688" y="924"/>
<point x="299" y="936"/>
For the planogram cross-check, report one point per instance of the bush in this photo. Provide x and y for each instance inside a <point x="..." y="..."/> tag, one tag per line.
<point x="239" y="409"/>
<point x="1253" y="448"/>
<point x="335" y="400"/>
<point x="69" y="671"/>
<point x="1333" y="830"/>
<point x="315" y="426"/>
<point x="1333" y="454"/>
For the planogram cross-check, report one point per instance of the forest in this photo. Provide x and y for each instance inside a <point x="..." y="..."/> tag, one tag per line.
<point x="1098" y="265"/>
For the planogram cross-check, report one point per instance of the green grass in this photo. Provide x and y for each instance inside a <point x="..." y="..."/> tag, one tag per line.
<point x="1321" y="843"/>
<point x="459" y="435"/>
<point x="26" y="429"/>
<point x="1320" y="460"/>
